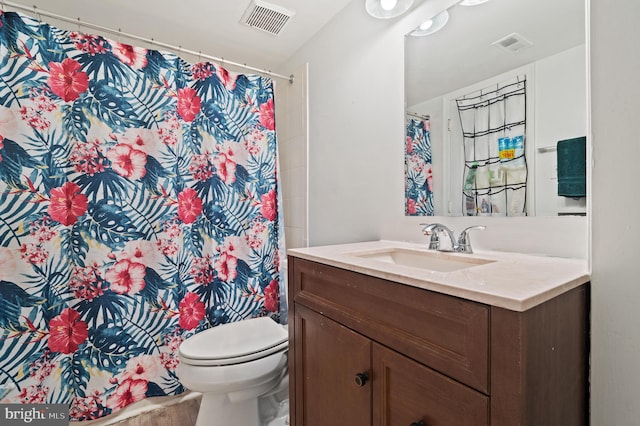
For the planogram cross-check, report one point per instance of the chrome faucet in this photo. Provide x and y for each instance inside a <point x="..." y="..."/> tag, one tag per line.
<point x="462" y="245"/>
<point x="434" y="229"/>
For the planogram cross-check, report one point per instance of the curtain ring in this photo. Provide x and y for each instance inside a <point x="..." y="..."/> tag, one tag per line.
<point x="79" y="28"/>
<point x="200" y="56"/>
<point x="119" y="35"/>
<point x="35" y="12"/>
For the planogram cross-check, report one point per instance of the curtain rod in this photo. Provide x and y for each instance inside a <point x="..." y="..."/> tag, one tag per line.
<point x="40" y="12"/>
<point x="416" y="115"/>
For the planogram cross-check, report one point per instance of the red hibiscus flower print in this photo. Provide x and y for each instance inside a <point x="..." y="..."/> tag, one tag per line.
<point x="191" y="311"/>
<point x="225" y="168"/>
<point x="188" y="104"/>
<point x="267" y="115"/>
<point x="127" y="392"/>
<point x="144" y="140"/>
<point x="66" y="80"/>
<point x="268" y="207"/>
<point x="135" y="57"/>
<point x="271" y="296"/>
<point x="409" y="144"/>
<point x="126" y="277"/>
<point x="429" y="173"/>
<point x="127" y="161"/>
<point x="189" y="205"/>
<point x="143" y="367"/>
<point x="411" y="206"/>
<point x="67" y="204"/>
<point x="228" y="80"/>
<point x="67" y="332"/>
<point x="225" y="266"/>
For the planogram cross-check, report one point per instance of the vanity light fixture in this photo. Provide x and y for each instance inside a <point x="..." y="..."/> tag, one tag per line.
<point x="432" y="25"/>
<point x="472" y="2"/>
<point x="386" y="9"/>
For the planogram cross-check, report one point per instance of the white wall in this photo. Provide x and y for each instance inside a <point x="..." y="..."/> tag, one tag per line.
<point x="356" y="133"/>
<point x="291" y="125"/>
<point x="560" y="97"/>
<point x="356" y="106"/>
<point x="615" y="88"/>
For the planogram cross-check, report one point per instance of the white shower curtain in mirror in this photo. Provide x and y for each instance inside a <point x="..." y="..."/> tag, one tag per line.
<point x="493" y="123"/>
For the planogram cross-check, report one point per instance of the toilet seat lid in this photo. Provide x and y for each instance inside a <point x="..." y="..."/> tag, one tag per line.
<point x="235" y="342"/>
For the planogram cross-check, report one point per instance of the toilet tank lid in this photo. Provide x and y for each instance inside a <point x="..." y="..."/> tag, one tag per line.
<point x="234" y="339"/>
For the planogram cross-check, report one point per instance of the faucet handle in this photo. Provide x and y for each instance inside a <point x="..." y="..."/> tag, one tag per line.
<point x="432" y="230"/>
<point x="464" y="241"/>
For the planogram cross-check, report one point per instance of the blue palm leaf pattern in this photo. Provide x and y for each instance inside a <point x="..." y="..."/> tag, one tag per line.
<point x="12" y="74"/>
<point x="109" y="226"/>
<point x="106" y="66"/>
<point x="12" y="300"/>
<point x="108" y="105"/>
<point x="14" y="159"/>
<point x="14" y="210"/>
<point x="149" y="101"/>
<point x="76" y="123"/>
<point x="137" y="196"/>
<point x="157" y="64"/>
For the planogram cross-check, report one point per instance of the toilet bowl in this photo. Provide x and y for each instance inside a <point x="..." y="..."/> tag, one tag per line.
<point x="235" y="366"/>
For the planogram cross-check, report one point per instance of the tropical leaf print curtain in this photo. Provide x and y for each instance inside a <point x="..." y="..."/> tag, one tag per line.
<point x="138" y="205"/>
<point x="418" y="172"/>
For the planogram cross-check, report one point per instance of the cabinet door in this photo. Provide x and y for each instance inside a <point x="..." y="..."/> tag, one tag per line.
<point x="406" y="392"/>
<point x="328" y="358"/>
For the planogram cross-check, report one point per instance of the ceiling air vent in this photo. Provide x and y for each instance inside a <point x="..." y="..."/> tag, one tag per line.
<point x="267" y="17"/>
<point x="513" y="43"/>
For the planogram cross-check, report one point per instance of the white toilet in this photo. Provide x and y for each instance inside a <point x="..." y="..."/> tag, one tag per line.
<point x="235" y="366"/>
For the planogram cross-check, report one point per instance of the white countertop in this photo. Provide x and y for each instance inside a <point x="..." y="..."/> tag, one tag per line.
<point x="510" y="280"/>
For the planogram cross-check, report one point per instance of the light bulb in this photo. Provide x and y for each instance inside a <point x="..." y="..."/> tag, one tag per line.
<point x="472" y="2"/>
<point x="426" y="24"/>
<point x="388" y="4"/>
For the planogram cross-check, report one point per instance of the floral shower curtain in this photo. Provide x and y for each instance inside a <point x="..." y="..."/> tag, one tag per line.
<point x="137" y="207"/>
<point x="418" y="172"/>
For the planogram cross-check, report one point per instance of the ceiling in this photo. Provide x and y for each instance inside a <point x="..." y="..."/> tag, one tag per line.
<point x="461" y="53"/>
<point x="457" y="56"/>
<point x="209" y="26"/>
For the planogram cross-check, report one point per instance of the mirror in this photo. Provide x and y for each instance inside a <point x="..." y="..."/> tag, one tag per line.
<point x="462" y="59"/>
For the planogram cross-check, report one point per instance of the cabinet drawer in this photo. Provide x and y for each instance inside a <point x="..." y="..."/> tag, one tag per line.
<point x="446" y="333"/>
<point x="406" y="392"/>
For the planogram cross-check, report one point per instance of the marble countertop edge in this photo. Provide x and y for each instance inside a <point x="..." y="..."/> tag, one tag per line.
<point x="511" y="281"/>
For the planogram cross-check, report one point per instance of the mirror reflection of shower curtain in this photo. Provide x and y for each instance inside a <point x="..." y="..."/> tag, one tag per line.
<point x="493" y="123"/>
<point x="418" y="172"/>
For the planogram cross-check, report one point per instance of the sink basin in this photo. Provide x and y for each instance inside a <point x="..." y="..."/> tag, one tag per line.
<point x="428" y="260"/>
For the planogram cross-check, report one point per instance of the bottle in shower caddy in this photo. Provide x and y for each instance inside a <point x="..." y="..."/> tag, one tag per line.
<point x="470" y="178"/>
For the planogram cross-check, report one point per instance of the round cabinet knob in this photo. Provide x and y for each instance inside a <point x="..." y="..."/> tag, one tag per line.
<point x="420" y="423"/>
<point x="361" y="378"/>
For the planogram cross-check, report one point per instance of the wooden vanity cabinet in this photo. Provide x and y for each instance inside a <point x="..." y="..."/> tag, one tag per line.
<point x="367" y="351"/>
